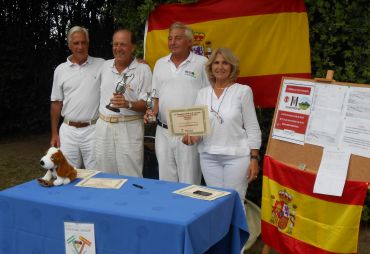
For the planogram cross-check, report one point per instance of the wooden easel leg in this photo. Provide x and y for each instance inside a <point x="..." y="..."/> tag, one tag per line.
<point x="266" y="249"/>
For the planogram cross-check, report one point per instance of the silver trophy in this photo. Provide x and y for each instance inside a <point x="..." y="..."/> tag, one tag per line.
<point x="121" y="88"/>
<point x="150" y="105"/>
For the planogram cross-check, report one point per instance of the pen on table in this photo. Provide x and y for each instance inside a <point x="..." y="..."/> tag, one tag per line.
<point x="137" y="186"/>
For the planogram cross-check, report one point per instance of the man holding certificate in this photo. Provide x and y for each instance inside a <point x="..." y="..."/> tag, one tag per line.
<point x="177" y="78"/>
<point x="229" y="154"/>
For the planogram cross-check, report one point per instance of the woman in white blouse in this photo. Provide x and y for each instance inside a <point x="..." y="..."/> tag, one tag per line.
<point x="229" y="155"/>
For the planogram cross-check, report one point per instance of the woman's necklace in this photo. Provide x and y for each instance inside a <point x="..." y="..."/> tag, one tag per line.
<point x="219" y="118"/>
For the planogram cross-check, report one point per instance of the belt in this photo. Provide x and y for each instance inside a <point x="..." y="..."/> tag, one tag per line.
<point x="163" y="125"/>
<point x="79" y="124"/>
<point x="116" y="119"/>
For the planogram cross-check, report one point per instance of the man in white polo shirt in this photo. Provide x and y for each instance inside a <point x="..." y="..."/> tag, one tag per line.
<point x="177" y="78"/>
<point x="120" y="135"/>
<point x="75" y="96"/>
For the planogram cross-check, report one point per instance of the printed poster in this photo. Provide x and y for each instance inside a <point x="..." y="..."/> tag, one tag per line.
<point x="79" y="238"/>
<point x="294" y="111"/>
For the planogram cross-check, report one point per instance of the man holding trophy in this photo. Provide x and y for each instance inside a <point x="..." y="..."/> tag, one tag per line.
<point x="123" y="94"/>
<point x="177" y="78"/>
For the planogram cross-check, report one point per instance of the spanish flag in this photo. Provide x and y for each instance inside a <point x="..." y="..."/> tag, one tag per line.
<point x="270" y="38"/>
<point x="296" y="220"/>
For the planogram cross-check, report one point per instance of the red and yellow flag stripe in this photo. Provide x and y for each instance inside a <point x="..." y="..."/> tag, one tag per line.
<point x="269" y="37"/>
<point x="295" y="220"/>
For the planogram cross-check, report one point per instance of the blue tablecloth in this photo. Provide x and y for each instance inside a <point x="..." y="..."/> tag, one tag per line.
<point x="129" y="220"/>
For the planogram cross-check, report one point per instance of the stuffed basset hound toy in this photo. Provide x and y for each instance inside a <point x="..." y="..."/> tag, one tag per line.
<point x="57" y="168"/>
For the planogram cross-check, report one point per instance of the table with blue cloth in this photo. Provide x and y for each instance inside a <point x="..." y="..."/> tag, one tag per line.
<point x="127" y="220"/>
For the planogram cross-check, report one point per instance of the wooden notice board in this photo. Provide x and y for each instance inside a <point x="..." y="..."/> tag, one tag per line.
<point x="308" y="155"/>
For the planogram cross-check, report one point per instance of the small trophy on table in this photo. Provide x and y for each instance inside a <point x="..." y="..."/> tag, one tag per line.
<point x="150" y="105"/>
<point x="121" y="89"/>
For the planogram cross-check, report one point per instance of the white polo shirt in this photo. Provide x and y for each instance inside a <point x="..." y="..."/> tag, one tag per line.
<point x="240" y="130"/>
<point x="78" y="87"/>
<point x="137" y="86"/>
<point x="178" y="87"/>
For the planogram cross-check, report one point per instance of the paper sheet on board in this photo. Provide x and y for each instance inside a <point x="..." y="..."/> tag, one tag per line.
<point x="332" y="172"/>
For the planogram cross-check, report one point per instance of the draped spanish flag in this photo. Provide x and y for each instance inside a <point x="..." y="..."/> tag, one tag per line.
<point x="296" y="220"/>
<point x="269" y="37"/>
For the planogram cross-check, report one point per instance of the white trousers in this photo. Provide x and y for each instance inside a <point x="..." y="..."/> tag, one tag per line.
<point x="78" y="144"/>
<point x="226" y="171"/>
<point x="177" y="162"/>
<point x="120" y="147"/>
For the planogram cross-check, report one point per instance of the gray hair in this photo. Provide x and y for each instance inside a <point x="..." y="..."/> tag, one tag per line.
<point x="77" y="29"/>
<point x="188" y="31"/>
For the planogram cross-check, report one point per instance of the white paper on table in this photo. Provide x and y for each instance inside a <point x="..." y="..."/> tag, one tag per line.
<point x="79" y="238"/>
<point x="332" y="174"/>
<point x="86" y="173"/>
<point x="102" y="183"/>
<point x="356" y="136"/>
<point x="201" y="192"/>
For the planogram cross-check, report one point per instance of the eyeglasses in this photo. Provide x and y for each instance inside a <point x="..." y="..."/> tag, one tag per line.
<point x="218" y="117"/>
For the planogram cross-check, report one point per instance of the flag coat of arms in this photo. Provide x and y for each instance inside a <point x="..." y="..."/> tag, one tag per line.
<point x="296" y="220"/>
<point x="270" y="38"/>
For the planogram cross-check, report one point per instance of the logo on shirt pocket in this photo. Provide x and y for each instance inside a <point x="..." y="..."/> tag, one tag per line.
<point x="190" y="74"/>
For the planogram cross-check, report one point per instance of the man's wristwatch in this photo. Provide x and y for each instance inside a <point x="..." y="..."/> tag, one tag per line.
<point x="129" y="105"/>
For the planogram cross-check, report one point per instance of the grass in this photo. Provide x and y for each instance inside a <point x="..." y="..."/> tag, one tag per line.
<point x="19" y="159"/>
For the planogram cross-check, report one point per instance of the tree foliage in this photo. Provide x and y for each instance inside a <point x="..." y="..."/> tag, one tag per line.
<point x="339" y="38"/>
<point x="33" y="44"/>
<point x="133" y="14"/>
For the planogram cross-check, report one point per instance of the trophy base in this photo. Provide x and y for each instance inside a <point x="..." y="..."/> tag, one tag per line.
<point x="113" y="109"/>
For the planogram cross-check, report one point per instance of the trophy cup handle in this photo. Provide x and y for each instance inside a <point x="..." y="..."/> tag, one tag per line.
<point x="120" y="89"/>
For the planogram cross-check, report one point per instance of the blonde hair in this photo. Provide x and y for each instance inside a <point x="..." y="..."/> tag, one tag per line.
<point x="229" y="57"/>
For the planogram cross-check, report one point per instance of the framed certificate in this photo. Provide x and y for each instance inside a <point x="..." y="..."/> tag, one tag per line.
<point x="193" y="121"/>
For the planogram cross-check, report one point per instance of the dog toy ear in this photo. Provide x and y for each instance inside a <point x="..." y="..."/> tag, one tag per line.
<point x="57" y="157"/>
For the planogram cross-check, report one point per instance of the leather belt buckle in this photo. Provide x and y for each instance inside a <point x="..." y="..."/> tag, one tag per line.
<point x="113" y="119"/>
<point x="82" y="125"/>
<point x="79" y="124"/>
